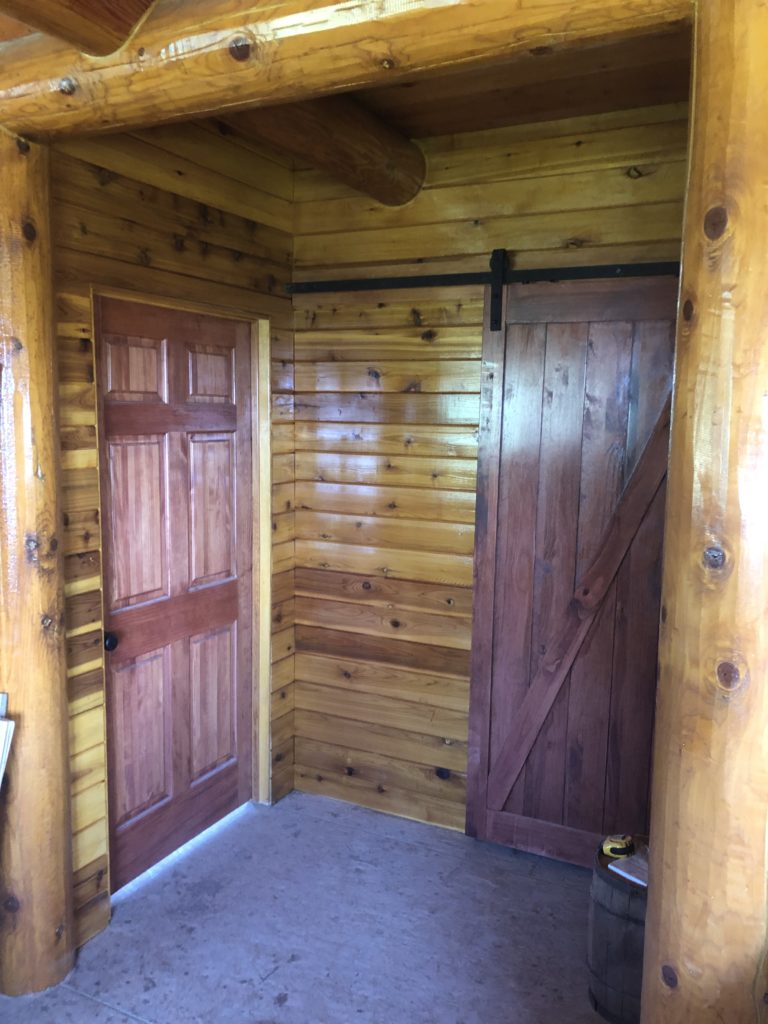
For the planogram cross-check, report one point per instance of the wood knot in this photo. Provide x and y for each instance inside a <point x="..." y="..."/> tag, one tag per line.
<point x="367" y="585"/>
<point x="29" y="231"/>
<point x="104" y="176"/>
<point x="11" y="904"/>
<point x="67" y="87"/>
<point x="715" y="222"/>
<point x="688" y="311"/>
<point x="240" y="48"/>
<point x="23" y="146"/>
<point x="669" y="976"/>
<point x="443" y="773"/>
<point x="728" y="675"/>
<point x="714" y="557"/>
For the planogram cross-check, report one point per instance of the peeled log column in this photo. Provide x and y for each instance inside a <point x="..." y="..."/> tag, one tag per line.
<point x="36" y="940"/>
<point x="707" y="927"/>
<point x="339" y="136"/>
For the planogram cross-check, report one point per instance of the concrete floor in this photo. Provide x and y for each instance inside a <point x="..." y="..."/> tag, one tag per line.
<point x="318" y="912"/>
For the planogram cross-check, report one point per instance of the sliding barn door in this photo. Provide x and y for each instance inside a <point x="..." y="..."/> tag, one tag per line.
<point x="177" y="519"/>
<point x="573" y="454"/>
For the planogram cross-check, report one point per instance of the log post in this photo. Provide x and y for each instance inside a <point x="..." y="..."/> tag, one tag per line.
<point x="707" y="927"/>
<point x="36" y="940"/>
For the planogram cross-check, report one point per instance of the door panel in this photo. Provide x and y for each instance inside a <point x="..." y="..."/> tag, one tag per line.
<point x="136" y="369"/>
<point x="142" y="734"/>
<point x="138" y="470"/>
<point x="212" y="508"/>
<point x="210" y="374"/>
<point x="176" y="479"/>
<point x="213" y="685"/>
<point x="563" y="687"/>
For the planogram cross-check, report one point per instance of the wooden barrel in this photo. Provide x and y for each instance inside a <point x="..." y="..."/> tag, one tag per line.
<point x="615" y="944"/>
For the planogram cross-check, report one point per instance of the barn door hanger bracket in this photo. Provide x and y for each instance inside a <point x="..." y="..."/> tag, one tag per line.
<point x="498" y="277"/>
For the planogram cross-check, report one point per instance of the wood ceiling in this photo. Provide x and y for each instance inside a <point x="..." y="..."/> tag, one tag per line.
<point x="542" y="87"/>
<point x="11" y="29"/>
<point x="363" y="138"/>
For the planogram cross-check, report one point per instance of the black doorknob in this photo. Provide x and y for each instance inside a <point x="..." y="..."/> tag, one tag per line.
<point x="111" y="640"/>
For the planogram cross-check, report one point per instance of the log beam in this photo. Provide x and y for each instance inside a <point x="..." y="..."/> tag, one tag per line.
<point x="36" y="938"/>
<point x="337" y="135"/>
<point x="196" y="58"/>
<point x="95" y="26"/>
<point x="706" y="951"/>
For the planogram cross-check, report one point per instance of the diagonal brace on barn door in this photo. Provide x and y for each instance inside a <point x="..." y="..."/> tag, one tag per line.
<point x="588" y="598"/>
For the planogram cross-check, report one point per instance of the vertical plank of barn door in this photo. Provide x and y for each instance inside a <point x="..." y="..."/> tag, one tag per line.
<point x="516" y="546"/>
<point x="653" y="356"/>
<point x="486" y="521"/>
<point x="630" y="730"/>
<point x="557" y="518"/>
<point x="606" y="408"/>
<point x="638" y="584"/>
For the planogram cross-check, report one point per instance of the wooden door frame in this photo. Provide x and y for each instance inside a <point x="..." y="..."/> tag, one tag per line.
<point x="261" y="487"/>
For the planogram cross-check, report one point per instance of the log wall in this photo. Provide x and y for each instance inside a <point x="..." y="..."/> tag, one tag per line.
<point x="386" y="417"/>
<point x="180" y="214"/>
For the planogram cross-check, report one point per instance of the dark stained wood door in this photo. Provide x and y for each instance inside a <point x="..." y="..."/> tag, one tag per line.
<point x="176" y="496"/>
<point x="573" y="454"/>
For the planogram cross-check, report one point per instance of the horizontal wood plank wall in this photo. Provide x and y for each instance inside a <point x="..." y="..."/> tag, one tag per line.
<point x="386" y="418"/>
<point x="185" y="215"/>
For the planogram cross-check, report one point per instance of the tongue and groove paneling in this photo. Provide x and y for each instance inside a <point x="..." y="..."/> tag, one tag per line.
<point x="386" y="428"/>
<point x="183" y="215"/>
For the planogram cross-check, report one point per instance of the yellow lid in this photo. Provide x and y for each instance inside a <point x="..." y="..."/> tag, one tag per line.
<point x="618" y="846"/>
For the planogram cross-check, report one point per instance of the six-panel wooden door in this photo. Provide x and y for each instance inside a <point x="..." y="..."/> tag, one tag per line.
<point x="177" y="505"/>
<point x="573" y="453"/>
